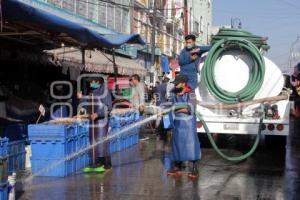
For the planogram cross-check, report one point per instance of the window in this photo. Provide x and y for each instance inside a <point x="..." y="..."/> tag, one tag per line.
<point x="81" y="8"/>
<point x="201" y="25"/>
<point x="55" y="2"/>
<point x="93" y="10"/>
<point x="118" y="19"/>
<point x="125" y="20"/>
<point x="69" y="5"/>
<point x="196" y="27"/>
<point x="102" y="13"/>
<point x="110" y="17"/>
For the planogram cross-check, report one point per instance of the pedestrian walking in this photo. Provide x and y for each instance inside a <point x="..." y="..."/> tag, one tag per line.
<point x="138" y="94"/>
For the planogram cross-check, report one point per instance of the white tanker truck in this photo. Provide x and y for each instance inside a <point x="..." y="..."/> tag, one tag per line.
<point x="231" y="74"/>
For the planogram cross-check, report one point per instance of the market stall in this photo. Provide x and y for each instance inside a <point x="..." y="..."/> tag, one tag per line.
<point x="58" y="143"/>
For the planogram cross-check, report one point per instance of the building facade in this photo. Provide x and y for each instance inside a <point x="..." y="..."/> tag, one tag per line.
<point x="106" y="17"/>
<point x="136" y="16"/>
<point x="200" y="20"/>
<point x="169" y="38"/>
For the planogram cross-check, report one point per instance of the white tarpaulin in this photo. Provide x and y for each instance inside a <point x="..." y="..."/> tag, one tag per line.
<point x="95" y="61"/>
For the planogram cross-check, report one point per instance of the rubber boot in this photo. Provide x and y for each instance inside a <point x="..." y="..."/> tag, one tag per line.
<point x="107" y="162"/>
<point x="176" y="169"/>
<point x="100" y="161"/>
<point x="195" y="170"/>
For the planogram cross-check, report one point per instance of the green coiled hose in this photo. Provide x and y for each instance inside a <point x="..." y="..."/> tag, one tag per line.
<point x="223" y="155"/>
<point x="260" y="42"/>
<point x="229" y="39"/>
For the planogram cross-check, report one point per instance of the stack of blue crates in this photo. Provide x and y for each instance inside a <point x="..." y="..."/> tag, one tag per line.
<point x="128" y="138"/>
<point x="14" y="152"/>
<point x="4" y="191"/>
<point x="16" y="135"/>
<point x="16" y="156"/>
<point x="58" y="149"/>
<point x="3" y="147"/>
<point x="3" y="168"/>
<point x="82" y="158"/>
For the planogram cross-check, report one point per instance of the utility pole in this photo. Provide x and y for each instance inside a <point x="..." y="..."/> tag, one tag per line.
<point x="153" y="36"/>
<point x="131" y="3"/>
<point x="185" y="20"/>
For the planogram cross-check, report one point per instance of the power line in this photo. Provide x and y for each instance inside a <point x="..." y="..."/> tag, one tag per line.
<point x="126" y="6"/>
<point x="290" y="4"/>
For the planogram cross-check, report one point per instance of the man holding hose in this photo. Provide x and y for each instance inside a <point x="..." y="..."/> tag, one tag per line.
<point x="185" y="143"/>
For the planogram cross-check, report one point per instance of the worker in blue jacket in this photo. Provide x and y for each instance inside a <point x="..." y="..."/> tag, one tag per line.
<point x="98" y="106"/>
<point x="185" y="143"/>
<point x="189" y="59"/>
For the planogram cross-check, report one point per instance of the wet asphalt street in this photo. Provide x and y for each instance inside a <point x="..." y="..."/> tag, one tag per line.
<point x="140" y="173"/>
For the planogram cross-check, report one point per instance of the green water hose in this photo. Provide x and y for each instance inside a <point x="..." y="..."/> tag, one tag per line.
<point x="258" y="41"/>
<point x="230" y="39"/>
<point x="214" y="145"/>
<point x="226" y="157"/>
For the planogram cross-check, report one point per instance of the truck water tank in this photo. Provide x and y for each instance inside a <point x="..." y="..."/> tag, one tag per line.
<point x="232" y="73"/>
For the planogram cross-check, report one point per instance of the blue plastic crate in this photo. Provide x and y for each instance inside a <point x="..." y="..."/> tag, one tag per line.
<point x="136" y="116"/>
<point x="113" y="146"/>
<point x="3" y="147"/>
<point x="82" y="141"/>
<point x="83" y="127"/>
<point x="4" y="191"/>
<point x="126" y="142"/>
<point x="131" y="140"/>
<point x="16" y="147"/>
<point x="54" y="149"/>
<point x="82" y="160"/>
<point x="135" y="138"/>
<point x="123" y="142"/>
<point x="53" y="167"/>
<point x="3" y="170"/>
<point x="51" y="131"/>
<point x="16" y="162"/>
<point x="118" y="145"/>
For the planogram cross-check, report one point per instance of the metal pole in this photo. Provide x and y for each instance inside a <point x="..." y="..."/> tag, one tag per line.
<point x="185" y="20"/>
<point x="83" y="55"/>
<point x="115" y="71"/>
<point x="93" y="133"/>
<point x="132" y="20"/>
<point x="153" y="36"/>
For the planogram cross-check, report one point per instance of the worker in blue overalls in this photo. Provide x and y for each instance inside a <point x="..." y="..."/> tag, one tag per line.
<point x="185" y="143"/>
<point x="98" y="107"/>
